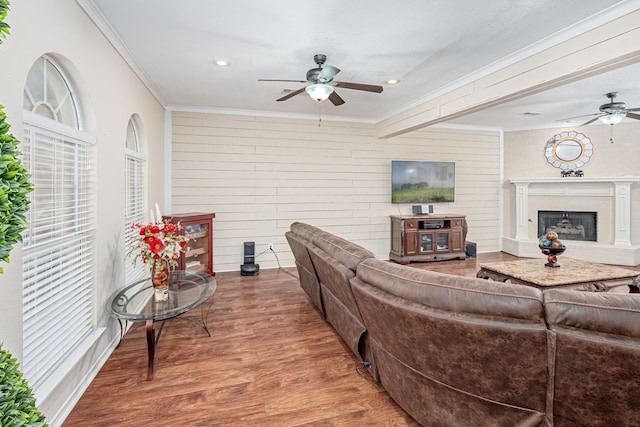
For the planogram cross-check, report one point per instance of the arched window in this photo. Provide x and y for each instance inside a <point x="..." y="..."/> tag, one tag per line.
<point x="47" y="94"/>
<point x="135" y="193"/>
<point x="59" y="243"/>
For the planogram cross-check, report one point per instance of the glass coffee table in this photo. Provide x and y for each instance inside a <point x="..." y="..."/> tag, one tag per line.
<point x="137" y="303"/>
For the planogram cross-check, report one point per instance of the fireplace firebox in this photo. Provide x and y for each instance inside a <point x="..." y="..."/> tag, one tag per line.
<point x="569" y="225"/>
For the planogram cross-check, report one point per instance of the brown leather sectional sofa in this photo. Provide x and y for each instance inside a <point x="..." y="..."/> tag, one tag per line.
<point x="458" y="351"/>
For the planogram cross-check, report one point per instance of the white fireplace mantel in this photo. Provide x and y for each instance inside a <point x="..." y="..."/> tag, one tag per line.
<point x="617" y="187"/>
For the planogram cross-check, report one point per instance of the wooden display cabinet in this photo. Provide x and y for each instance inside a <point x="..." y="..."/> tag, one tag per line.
<point x="425" y="238"/>
<point x="198" y="254"/>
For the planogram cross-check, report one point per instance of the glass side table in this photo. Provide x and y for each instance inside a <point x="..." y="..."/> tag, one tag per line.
<point x="137" y="303"/>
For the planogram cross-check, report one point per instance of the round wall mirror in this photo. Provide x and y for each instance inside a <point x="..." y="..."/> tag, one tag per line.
<point x="568" y="150"/>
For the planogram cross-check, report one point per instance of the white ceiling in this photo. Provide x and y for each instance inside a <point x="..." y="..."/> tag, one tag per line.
<point x="427" y="45"/>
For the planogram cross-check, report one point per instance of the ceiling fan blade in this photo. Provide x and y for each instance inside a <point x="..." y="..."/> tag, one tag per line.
<point x="590" y="121"/>
<point x="578" y="117"/>
<point x="335" y="99"/>
<point x="359" y="86"/>
<point x="291" y="94"/>
<point x="633" y="109"/>
<point x="327" y="73"/>
<point x="633" y="116"/>
<point x="274" y="80"/>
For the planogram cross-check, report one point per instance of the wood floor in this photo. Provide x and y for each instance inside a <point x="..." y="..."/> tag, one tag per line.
<point x="271" y="360"/>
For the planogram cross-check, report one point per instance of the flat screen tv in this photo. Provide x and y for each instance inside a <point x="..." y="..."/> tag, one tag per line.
<point x="422" y="182"/>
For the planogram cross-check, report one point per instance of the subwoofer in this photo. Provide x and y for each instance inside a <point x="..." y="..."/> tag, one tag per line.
<point x="470" y="249"/>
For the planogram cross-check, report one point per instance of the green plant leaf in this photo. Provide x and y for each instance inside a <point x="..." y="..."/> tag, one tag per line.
<point x="17" y="403"/>
<point x="14" y="188"/>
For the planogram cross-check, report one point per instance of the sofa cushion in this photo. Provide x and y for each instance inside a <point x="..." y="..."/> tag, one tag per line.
<point x="334" y="277"/>
<point x="344" y="251"/>
<point x="454" y="293"/>
<point x="305" y="231"/>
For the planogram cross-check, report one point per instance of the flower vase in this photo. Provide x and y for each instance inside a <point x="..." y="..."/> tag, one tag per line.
<point x="160" y="279"/>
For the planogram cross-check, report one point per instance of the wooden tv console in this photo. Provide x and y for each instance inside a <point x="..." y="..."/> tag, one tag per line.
<point x="423" y="238"/>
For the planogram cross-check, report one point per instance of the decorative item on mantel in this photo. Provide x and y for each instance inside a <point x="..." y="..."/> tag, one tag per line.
<point x="552" y="247"/>
<point x="577" y="173"/>
<point x="160" y="244"/>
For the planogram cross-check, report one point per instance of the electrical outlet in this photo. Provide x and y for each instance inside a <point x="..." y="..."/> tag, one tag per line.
<point x="270" y="246"/>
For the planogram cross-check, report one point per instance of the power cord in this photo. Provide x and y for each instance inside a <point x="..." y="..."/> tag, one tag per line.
<point x="275" y="255"/>
<point x="277" y="260"/>
<point x="367" y="377"/>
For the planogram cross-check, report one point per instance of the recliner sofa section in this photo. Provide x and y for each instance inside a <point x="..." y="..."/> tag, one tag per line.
<point x="327" y="262"/>
<point x="335" y="261"/>
<point x="596" y="358"/>
<point x="299" y="238"/>
<point x="456" y="351"/>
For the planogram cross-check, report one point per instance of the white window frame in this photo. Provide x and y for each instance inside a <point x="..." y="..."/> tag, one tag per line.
<point x="59" y="250"/>
<point x="135" y="198"/>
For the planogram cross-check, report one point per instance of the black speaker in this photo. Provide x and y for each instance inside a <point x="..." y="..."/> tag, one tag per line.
<point x="249" y="268"/>
<point x="471" y="249"/>
<point x="416" y="209"/>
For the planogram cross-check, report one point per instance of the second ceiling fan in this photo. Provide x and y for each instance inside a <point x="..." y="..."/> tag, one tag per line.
<point x="611" y="113"/>
<point x="321" y="84"/>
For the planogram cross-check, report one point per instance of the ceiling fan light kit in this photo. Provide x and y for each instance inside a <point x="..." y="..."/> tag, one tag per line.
<point x="612" y="119"/>
<point x="319" y="91"/>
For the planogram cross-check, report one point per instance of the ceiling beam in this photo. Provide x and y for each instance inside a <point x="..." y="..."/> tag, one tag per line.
<point x="607" y="47"/>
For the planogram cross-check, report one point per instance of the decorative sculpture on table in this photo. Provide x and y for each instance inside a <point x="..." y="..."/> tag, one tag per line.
<point x="552" y="247"/>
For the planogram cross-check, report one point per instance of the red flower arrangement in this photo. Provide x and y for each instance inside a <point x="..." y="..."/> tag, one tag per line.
<point x="160" y="240"/>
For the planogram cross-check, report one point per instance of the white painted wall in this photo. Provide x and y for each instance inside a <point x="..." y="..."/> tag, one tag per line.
<point x="260" y="174"/>
<point x="113" y="93"/>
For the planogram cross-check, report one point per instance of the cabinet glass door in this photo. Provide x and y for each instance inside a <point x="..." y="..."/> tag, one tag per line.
<point x="443" y="241"/>
<point x="426" y="242"/>
<point x="197" y="250"/>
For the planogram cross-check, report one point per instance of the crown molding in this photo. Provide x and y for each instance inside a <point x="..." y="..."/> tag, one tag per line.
<point x="260" y="113"/>
<point x="98" y="18"/>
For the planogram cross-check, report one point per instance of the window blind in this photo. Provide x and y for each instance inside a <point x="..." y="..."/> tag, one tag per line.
<point x="59" y="248"/>
<point x="135" y="193"/>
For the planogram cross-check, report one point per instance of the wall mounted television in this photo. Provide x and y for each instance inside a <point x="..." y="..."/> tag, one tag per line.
<point x="422" y="182"/>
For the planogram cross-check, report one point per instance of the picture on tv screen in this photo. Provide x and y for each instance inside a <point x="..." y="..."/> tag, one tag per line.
<point x="422" y="182"/>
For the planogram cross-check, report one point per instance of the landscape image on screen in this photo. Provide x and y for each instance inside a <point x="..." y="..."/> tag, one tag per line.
<point x="422" y="182"/>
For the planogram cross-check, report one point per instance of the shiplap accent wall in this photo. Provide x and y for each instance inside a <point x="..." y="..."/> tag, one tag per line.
<point x="260" y="174"/>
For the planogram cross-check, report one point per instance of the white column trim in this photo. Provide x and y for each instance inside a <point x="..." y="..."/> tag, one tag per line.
<point x="623" y="214"/>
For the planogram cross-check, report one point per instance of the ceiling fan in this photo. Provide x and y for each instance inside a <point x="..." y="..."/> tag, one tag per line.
<point x="612" y="112"/>
<point x="321" y="84"/>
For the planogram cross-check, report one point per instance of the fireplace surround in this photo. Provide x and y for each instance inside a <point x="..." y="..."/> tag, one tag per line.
<point x="610" y="197"/>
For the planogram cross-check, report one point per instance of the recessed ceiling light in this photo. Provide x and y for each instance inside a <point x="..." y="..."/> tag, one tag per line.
<point x="222" y="63"/>
<point x="392" y="81"/>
